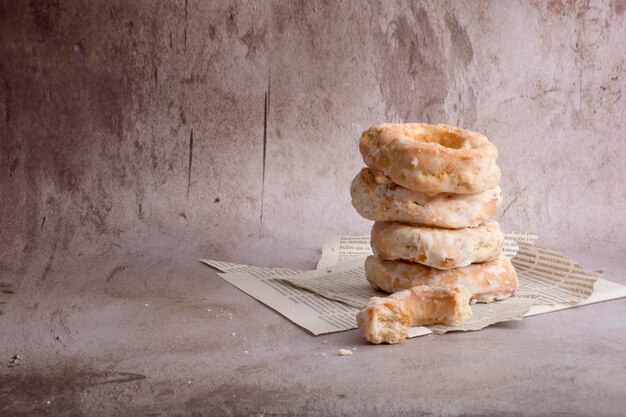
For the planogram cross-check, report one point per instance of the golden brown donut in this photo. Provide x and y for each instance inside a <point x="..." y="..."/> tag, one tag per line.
<point x="388" y="319"/>
<point x="377" y="198"/>
<point x="488" y="281"/>
<point x="431" y="158"/>
<point x="439" y="248"/>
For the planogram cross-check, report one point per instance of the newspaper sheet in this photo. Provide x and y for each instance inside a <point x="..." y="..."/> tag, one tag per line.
<point x="335" y="311"/>
<point x="309" y="310"/>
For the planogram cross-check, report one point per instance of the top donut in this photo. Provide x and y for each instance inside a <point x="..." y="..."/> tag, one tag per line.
<point x="431" y="158"/>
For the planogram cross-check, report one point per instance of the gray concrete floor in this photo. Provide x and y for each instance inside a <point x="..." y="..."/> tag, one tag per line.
<point x="129" y="332"/>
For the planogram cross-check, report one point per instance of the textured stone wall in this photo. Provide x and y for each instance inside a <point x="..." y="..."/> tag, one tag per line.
<point x="223" y="122"/>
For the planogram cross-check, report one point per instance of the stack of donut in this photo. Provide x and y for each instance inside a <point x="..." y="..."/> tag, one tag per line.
<point x="431" y="190"/>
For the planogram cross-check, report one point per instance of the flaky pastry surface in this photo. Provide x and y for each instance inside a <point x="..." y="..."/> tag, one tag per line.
<point x="439" y="248"/>
<point x="377" y="198"/>
<point x="431" y="158"/>
<point x="388" y="319"/>
<point x="487" y="282"/>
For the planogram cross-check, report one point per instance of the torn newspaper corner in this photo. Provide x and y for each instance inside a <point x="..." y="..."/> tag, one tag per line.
<point x="336" y="310"/>
<point x="315" y="313"/>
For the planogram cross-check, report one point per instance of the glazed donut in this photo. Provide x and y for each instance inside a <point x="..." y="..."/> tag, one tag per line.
<point x="388" y="319"/>
<point x="488" y="281"/>
<point x="431" y="158"/>
<point x="377" y="198"/>
<point x="439" y="248"/>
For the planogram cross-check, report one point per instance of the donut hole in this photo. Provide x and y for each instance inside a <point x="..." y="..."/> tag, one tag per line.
<point x="450" y="140"/>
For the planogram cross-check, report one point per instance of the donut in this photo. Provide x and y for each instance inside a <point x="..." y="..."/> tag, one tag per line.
<point x="431" y="158"/>
<point x="377" y="198"/>
<point x="388" y="319"/>
<point x="439" y="248"/>
<point x="488" y="281"/>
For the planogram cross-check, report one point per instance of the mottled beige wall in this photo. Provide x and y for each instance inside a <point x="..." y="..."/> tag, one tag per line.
<point x="221" y="121"/>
